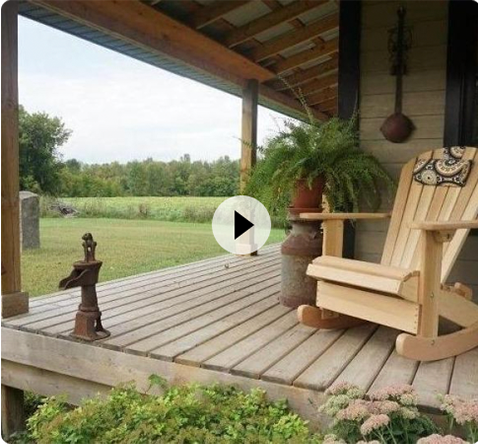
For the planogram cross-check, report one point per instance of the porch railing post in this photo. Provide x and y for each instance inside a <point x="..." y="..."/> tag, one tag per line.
<point x="13" y="300"/>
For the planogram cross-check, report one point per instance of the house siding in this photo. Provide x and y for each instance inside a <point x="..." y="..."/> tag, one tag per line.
<point x="423" y="101"/>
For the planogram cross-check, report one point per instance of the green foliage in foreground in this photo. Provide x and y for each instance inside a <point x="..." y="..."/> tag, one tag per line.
<point x="126" y="247"/>
<point x="187" y="414"/>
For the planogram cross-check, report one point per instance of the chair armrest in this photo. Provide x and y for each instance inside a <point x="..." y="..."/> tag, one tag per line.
<point x="444" y="225"/>
<point x="343" y="216"/>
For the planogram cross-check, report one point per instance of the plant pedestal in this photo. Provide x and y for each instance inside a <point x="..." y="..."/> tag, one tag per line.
<point x="299" y="249"/>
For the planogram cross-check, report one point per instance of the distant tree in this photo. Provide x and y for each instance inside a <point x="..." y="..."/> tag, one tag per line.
<point x="40" y="137"/>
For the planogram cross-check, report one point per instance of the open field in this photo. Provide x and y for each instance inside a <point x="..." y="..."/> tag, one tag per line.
<point x="175" y="209"/>
<point x="126" y="247"/>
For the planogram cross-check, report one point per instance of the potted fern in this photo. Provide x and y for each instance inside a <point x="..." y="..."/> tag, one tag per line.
<point x="304" y="161"/>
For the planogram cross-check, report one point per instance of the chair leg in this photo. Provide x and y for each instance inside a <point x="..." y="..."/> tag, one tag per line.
<point x="316" y="317"/>
<point x="441" y="347"/>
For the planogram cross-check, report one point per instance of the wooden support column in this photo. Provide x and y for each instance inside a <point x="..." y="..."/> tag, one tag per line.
<point x="13" y="300"/>
<point x="249" y="131"/>
<point x="249" y="137"/>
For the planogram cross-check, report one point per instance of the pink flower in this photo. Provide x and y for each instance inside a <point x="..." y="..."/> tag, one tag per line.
<point x="356" y="410"/>
<point x="332" y="439"/>
<point x="373" y="423"/>
<point x="369" y="442"/>
<point x="345" y="388"/>
<point x="402" y="393"/>
<point x="386" y="407"/>
<point x="462" y="411"/>
<point x="437" y="439"/>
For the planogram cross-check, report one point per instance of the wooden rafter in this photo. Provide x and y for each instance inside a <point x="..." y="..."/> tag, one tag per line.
<point x="289" y="101"/>
<point x="270" y="20"/>
<point x="322" y="96"/>
<point x="214" y="11"/>
<point x="294" y="38"/>
<point x="322" y="50"/>
<point x="306" y="75"/>
<point x="319" y="84"/>
<point x="329" y="106"/>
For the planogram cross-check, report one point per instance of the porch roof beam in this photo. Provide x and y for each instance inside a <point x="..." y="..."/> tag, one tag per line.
<point x="294" y="38"/>
<point x="140" y="24"/>
<point x="270" y="20"/>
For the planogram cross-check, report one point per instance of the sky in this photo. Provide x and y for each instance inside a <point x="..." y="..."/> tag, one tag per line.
<point x="121" y="109"/>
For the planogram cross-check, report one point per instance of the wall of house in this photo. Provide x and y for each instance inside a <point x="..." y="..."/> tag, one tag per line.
<point x="423" y="102"/>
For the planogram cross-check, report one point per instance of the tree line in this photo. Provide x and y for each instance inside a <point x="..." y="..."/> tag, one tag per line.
<point x="43" y="171"/>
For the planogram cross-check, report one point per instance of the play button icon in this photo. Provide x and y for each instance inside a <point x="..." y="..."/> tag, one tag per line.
<point x="241" y="225"/>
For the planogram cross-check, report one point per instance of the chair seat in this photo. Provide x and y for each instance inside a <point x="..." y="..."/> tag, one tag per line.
<point x="381" y="278"/>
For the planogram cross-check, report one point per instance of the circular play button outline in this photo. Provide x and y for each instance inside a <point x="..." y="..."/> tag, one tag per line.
<point x="241" y="225"/>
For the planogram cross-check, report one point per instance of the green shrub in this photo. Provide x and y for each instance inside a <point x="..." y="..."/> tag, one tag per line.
<point x="187" y="414"/>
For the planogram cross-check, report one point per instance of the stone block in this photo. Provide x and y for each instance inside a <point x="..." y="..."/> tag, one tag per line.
<point x="29" y="220"/>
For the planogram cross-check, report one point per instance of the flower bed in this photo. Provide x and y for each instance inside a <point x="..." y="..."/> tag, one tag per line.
<point x="391" y="416"/>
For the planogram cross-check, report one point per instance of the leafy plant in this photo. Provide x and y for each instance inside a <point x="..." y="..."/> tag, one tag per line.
<point x="182" y="414"/>
<point x="317" y="149"/>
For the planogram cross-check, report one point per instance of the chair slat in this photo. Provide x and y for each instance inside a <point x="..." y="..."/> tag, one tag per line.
<point x="407" y="213"/>
<point x="415" y="202"/>
<point x="396" y="219"/>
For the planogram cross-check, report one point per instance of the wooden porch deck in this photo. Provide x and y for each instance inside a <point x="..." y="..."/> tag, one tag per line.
<point x="213" y="320"/>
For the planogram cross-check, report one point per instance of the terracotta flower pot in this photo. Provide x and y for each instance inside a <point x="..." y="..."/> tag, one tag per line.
<point x="306" y="197"/>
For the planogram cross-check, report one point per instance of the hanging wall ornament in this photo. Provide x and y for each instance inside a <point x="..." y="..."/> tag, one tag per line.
<point x="398" y="127"/>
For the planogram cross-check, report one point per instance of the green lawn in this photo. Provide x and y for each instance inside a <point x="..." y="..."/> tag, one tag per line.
<point x="126" y="247"/>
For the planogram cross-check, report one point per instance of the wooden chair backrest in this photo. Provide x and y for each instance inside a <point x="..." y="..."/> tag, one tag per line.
<point x="417" y="202"/>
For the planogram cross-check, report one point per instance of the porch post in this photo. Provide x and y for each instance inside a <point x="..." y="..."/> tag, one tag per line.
<point x="13" y="300"/>
<point x="249" y="131"/>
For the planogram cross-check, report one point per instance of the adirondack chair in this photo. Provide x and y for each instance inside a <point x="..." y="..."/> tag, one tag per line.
<point x="407" y="290"/>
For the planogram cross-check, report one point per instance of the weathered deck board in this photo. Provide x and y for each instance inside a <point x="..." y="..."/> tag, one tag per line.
<point x="433" y="379"/>
<point x="292" y="365"/>
<point x="257" y="363"/>
<point x="321" y="374"/>
<point x="203" y="352"/>
<point x="220" y="325"/>
<point x="147" y="338"/>
<point x="365" y="366"/>
<point x="465" y="375"/>
<point x="227" y="359"/>
<point x="159" y="321"/>
<point x="397" y="370"/>
<point x="136" y="294"/>
<point x="126" y="317"/>
<point x="217" y="320"/>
